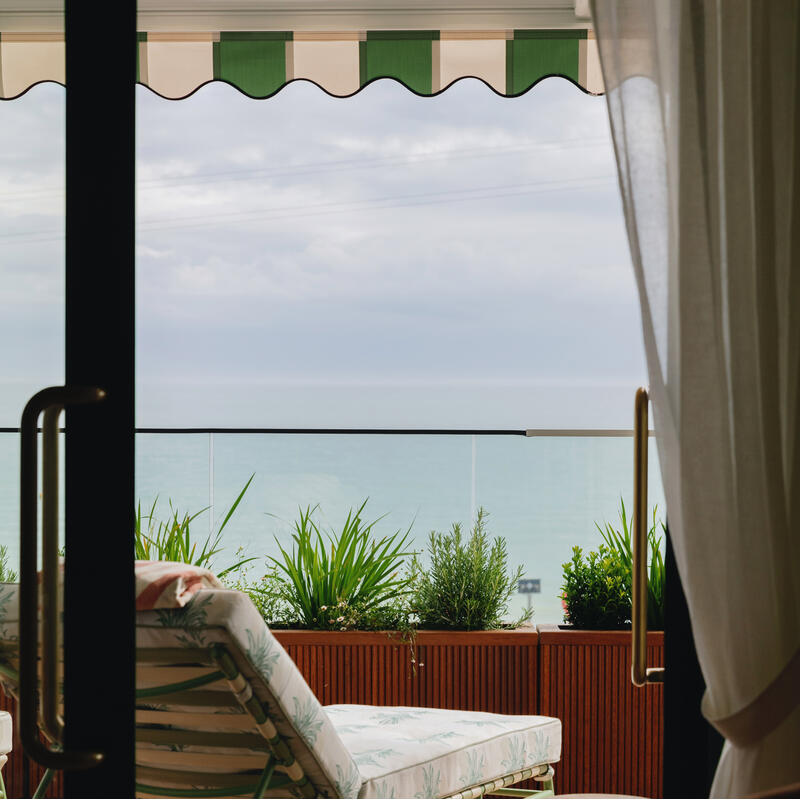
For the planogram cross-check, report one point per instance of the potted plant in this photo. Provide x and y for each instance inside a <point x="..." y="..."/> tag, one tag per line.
<point x="612" y="730"/>
<point x="367" y="630"/>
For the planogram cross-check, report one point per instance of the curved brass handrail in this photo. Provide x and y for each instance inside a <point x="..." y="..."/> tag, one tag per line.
<point x="640" y="674"/>
<point x="51" y="401"/>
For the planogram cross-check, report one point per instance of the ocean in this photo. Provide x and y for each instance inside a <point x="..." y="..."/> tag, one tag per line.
<point x="542" y="494"/>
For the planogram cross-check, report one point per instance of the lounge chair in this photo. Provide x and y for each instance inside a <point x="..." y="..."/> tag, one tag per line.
<point x="223" y="711"/>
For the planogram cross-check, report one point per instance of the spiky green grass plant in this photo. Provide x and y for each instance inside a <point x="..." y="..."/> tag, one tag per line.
<point x="326" y="572"/>
<point x="171" y="540"/>
<point x="7" y="575"/>
<point x="620" y="543"/>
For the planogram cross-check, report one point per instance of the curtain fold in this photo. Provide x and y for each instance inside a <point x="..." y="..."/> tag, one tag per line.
<point x="705" y="115"/>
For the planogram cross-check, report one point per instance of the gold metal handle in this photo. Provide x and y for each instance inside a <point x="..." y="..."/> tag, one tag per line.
<point x="640" y="674"/>
<point x="51" y="401"/>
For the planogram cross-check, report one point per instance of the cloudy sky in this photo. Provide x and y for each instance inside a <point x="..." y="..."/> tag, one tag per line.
<point x="382" y="260"/>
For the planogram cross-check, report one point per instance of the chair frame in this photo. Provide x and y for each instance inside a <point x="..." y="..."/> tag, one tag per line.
<point x="281" y="768"/>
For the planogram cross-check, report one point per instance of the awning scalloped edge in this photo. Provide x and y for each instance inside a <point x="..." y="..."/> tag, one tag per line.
<point x="259" y="64"/>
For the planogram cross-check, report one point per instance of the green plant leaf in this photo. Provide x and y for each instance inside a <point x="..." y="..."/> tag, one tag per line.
<point x="350" y="566"/>
<point x="172" y="540"/>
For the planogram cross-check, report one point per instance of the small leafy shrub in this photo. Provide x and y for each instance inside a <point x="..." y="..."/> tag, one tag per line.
<point x="351" y="567"/>
<point x="596" y="590"/>
<point x="619" y="542"/>
<point x="172" y="540"/>
<point x="467" y="586"/>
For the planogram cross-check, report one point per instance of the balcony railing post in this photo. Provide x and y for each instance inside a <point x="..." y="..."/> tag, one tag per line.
<point x="210" y="482"/>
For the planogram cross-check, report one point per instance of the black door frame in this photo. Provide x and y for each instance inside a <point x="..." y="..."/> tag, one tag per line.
<point x="99" y="622"/>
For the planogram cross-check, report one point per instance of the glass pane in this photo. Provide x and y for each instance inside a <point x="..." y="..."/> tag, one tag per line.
<point x="383" y="261"/>
<point x="31" y="275"/>
<point x="545" y="494"/>
<point x="419" y="480"/>
<point x="173" y="468"/>
<point x="386" y="261"/>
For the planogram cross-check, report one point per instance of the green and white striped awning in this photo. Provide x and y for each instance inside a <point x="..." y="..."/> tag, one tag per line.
<point x="260" y="63"/>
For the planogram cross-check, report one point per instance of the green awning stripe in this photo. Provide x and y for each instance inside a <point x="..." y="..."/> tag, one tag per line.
<point x="260" y="63"/>
<point x="253" y="62"/>
<point x="406" y="56"/>
<point x="528" y="60"/>
<point x="577" y="33"/>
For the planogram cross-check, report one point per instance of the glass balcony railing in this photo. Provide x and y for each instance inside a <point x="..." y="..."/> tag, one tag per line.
<point x="544" y="492"/>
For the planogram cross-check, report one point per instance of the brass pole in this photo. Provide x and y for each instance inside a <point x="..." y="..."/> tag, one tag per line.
<point x="639" y="595"/>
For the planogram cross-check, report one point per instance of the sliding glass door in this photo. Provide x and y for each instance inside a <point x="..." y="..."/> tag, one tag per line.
<point x="67" y="323"/>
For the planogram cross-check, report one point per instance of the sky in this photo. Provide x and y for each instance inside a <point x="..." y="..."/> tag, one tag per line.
<point x="384" y="260"/>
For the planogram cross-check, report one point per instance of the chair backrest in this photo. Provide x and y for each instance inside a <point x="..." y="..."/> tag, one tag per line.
<point x="236" y="697"/>
<point x="222" y="710"/>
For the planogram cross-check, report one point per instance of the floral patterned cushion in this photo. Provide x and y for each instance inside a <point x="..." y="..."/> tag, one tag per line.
<point x="230" y="618"/>
<point x="6" y="733"/>
<point x="169" y="584"/>
<point x="431" y="752"/>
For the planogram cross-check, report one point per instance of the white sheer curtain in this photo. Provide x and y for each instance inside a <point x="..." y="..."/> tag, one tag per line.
<point x="705" y="113"/>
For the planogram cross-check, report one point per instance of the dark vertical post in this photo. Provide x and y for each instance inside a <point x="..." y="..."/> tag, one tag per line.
<point x="99" y="615"/>
<point x="685" y="728"/>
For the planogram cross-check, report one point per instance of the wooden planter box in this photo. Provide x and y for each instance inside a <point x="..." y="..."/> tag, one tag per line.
<point x="612" y="730"/>
<point x="472" y="671"/>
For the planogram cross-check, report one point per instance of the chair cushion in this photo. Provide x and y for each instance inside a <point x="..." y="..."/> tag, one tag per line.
<point x="431" y="752"/>
<point x="6" y="733"/>
<point x="168" y="584"/>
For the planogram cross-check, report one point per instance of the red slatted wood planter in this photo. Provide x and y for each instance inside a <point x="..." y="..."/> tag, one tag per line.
<point x="20" y="774"/>
<point x="612" y="730"/>
<point x="474" y="671"/>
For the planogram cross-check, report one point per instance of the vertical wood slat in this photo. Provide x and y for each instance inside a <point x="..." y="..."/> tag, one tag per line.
<point x="473" y="671"/>
<point x="612" y="741"/>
